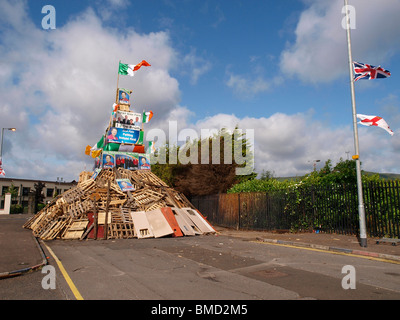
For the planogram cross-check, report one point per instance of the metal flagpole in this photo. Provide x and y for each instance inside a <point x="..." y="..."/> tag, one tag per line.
<point x="356" y="157"/>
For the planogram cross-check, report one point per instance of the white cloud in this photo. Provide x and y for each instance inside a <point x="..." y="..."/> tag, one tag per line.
<point x="247" y="87"/>
<point x="288" y="144"/>
<point x="196" y="65"/>
<point x="319" y="53"/>
<point x="58" y="87"/>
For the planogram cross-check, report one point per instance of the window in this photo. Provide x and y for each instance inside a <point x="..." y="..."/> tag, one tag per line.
<point x="4" y="191"/>
<point x="49" y="192"/>
<point x="25" y="191"/>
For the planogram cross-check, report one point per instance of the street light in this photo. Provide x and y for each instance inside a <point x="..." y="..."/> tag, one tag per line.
<point x="314" y="163"/>
<point x="2" y="133"/>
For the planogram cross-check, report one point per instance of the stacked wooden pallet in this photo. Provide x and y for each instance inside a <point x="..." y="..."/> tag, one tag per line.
<point x="98" y="208"/>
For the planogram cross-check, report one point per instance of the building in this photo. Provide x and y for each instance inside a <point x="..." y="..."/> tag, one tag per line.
<point x="23" y="187"/>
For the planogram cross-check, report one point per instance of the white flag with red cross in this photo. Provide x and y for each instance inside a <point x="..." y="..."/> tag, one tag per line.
<point x="374" y="121"/>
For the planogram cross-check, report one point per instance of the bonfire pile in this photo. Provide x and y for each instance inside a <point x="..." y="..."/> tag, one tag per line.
<point x="98" y="209"/>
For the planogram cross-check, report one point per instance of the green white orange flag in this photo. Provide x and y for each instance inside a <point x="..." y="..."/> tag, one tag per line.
<point x="147" y="116"/>
<point x="129" y="69"/>
<point x="96" y="149"/>
<point x="151" y="148"/>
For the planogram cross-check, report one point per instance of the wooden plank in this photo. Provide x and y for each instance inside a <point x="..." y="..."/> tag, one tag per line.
<point x="169" y="216"/>
<point x="185" y="224"/>
<point x="78" y="225"/>
<point x="117" y="202"/>
<point x="77" y="234"/>
<point x="212" y="229"/>
<point x="199" y="220"/>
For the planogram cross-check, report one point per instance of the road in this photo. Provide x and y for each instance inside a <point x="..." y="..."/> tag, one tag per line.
<point x="206" y="267"/>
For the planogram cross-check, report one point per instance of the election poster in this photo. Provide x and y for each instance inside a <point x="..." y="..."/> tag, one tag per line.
<point x="108" y="160"/>
<point x="125" y="185"/>
<point x="123" y="96"/>
<point x="144" y="162"/>
<point x="126" y="160"/>
<point x="122" y="135"/>
<point x="127" y="120"/>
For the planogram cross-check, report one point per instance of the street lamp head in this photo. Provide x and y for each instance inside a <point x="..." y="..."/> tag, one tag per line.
<point x="12" y="129"/>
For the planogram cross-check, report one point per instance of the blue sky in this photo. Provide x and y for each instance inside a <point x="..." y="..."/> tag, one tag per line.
<point x="276" y="67"/>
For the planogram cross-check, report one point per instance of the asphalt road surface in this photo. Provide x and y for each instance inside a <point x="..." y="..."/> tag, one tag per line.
<point x="197" y="268"/>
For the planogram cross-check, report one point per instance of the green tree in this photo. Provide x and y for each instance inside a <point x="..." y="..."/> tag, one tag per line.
<point x="39" y="196"/>
<point x="206" y="166"/>
<point x="13" y="190"/>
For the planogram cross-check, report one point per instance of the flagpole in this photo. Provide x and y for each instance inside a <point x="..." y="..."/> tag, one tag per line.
<point x="116" y="96"/>
<point x="142" y="119"/>
<point x="356" y="157"/>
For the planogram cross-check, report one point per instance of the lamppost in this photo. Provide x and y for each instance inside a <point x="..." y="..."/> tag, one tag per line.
<point x="314" y="163"/>
<point x="2" y="133"/>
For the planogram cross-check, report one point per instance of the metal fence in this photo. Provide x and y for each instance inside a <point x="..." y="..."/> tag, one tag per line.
<point x="332" y="209"/>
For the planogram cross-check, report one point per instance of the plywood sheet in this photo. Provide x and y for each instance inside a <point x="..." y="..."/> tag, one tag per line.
<point x="185" y="223"/>
<point x="141" y="225"/>
<point x="158" y="223"/>
<point x="192" y="215"/>
<point x="169" y="216"/>
<point x="200" y="220"/>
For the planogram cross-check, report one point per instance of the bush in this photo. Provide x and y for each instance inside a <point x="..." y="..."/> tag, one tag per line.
<point x="40" y="206"/>
<point x="16" y="208"/>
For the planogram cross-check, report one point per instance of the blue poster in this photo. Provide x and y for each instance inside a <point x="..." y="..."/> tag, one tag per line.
<point x="108" y="160"/>
<point x="122" y="135"/>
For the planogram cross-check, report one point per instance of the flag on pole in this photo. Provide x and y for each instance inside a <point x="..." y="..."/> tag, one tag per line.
<point x="374" y="121"/>
<point x="96" y="149"/>
<point x="147" y="116"/>
<point x="2" y="172"/>
<point x="151" y="149"/>
<point x="129" y="69"/>
<point x="366" y="71"/>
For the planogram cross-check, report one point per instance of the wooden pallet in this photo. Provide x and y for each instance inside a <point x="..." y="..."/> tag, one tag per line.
<point x="58" y="217"/>
<point x="55" y="229"/>
<point x="146" y="196"/>
<point x="121" y="231"/>
<point x="75" y="229"/>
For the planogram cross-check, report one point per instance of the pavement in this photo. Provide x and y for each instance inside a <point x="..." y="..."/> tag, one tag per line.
<point x="21" y="252"/>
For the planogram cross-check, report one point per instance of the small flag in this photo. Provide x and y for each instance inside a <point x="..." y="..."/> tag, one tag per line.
<point x="151" y="149"/>
<point x="147" y="116"/>
<point x="2" y="172"/>
<point x="96" y="149"/>
<point x="366" y="71"/>
<point x="374" y="121"/>
<point x="129" y="69"/>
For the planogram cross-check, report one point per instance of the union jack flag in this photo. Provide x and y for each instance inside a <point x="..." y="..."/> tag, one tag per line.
<point x="366" y="71"/>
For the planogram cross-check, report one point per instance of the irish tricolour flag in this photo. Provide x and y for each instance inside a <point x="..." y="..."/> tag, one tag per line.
<point x="147" y="116"/>
<point x="129" y="69"/>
